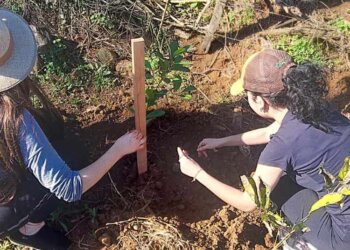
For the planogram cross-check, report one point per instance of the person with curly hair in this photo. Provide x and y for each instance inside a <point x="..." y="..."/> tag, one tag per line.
<point x="34" y="177"/>
<point x="306" y="133"/>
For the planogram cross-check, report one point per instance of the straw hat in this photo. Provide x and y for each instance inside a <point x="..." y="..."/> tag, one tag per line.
<point x="17" y="49"/>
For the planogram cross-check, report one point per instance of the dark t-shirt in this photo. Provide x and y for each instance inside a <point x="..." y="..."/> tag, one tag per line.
<point x="300" y="149"/>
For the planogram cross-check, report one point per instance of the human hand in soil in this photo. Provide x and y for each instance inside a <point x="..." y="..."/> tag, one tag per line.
<point x="130" y="142"/>
<point x="208" y="143"/>
<point x="188" y="166"/>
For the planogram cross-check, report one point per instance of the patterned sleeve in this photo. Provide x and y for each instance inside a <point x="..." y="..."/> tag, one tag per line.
<point x="45" y="164"/>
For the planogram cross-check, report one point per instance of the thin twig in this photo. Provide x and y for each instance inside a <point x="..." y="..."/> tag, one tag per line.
<point x="117" y="191"/>
<point x="206" y="6"/>
<point x="163" y="16"/>
<point x="206" y="97"/>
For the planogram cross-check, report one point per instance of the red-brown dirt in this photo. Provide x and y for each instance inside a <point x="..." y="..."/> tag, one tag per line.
<point x="163" y="192"/>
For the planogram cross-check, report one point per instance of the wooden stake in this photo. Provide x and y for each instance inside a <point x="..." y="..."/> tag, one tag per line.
<point x="138" y="70"/>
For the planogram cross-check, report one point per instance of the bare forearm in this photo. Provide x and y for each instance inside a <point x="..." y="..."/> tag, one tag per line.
<point x="95" y="171"/>
<point x="228" y="194"/>
<point x="254" y="137"/>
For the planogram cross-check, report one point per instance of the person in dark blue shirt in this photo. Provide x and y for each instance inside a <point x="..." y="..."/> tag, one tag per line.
<point x="306" y="133"/>
<point x="33" y="176"/>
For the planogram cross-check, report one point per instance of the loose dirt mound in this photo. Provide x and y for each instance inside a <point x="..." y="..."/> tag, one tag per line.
<point x="163" y="208"/>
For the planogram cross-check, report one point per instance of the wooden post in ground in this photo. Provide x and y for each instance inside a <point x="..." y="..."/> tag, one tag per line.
<point x="138" y="70"/>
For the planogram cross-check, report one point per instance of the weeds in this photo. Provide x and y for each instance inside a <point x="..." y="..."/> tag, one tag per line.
<point x="102" y="76"/>
<point x="102" y="20"/>
<point x="55" y="60"/>
<point x="302" y="49"/>
<point x="67" y="75"/>
<point x="62" y="215"/>
<point x="341" y="24"/>
<point x="241" y="14"/>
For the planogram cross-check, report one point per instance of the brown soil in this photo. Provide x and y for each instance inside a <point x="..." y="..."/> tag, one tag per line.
<point x="163" y="192"/>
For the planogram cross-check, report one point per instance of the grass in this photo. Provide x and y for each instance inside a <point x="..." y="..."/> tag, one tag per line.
<point x="241" y="14"/>
<point x="303" y="49"/>
<point x="341" y="24"/>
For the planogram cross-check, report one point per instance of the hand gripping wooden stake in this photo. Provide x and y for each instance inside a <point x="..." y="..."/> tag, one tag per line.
<point x="138" y="70"/>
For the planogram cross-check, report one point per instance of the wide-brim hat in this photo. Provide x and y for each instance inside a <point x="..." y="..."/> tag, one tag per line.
<point x="18" y="50"/>
<point x="263" y="72"/>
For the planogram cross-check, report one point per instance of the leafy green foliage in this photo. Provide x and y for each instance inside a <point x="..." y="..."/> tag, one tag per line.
<point x="341" y="24"/>
<point x="56" y="60"/>
<point x="302" y="49"/>
<point x="260" y="194"/>
<point x="344" y="173"/>
<point x="62" y="215"/>
<point x="241" y="14"/>
<point x="250" y="187"/>
<point x="65" y="74"/>
<point x="338" y="187"/>
<point x="166" y="73"/>
<point x="247" y="17"/>
<point x="102" y="20"/>
<point x="326" y="200"/>
<point x="102" y="76"/>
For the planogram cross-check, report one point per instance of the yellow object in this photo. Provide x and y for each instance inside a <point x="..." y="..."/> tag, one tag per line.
<point x="238" y="86"/>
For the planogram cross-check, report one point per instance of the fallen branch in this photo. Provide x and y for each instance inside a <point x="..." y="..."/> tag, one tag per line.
<point x="213" y="25"/>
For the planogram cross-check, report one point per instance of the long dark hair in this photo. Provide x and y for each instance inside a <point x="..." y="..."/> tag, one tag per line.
<point x="12" y="104"/>
<point x="305" y="89"/>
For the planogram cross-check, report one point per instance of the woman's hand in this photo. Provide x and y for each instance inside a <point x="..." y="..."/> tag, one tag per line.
<point x="130" y="142"/>
<point x="188" y="166"/>
<point x="209" y="143"/>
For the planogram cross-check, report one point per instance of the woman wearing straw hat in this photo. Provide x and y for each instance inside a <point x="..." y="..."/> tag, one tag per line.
<point x="33" y="177"/>
<point x="306" y="134"/>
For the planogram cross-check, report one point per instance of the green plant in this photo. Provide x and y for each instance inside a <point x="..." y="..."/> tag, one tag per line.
<point x="62" y="215"/>
<point x="58" y="217"/>
<point x="102" y="20"/>
<point x="102" y="76"/>
<point x="91" y="211"/>
<point x="15" y="6"/>
<point x="63" y="74"/>
<point x="247" y="17"/>
<point x="302" y="49"/>
<point x="58" y="68"/>
<point x="167" y="73"/>
<point x="260" y="194"/>
<point x="54" y="60"/>
<point x="337" y="187"/>
<point x="242" y="14"/>
<point x="341" y="24"/>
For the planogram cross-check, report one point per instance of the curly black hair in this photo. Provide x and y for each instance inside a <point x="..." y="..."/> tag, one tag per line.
<point x="305" y="89"/>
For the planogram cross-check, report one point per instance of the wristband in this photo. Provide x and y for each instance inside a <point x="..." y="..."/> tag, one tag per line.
<point x="196" y="175"/>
